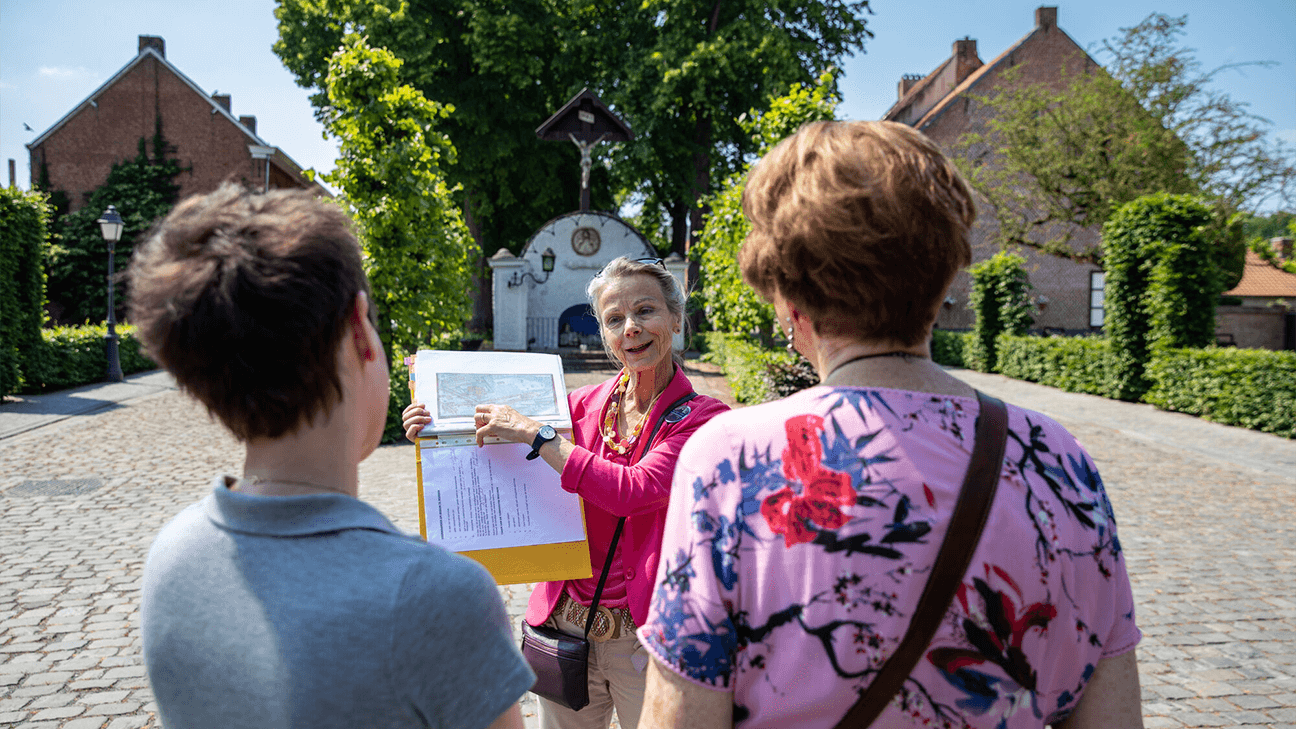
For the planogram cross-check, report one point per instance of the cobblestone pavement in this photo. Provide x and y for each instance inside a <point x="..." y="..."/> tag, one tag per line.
<point x="1206" y="514"/>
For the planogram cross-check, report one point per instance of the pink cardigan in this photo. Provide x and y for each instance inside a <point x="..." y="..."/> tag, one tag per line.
<point x="614" y="485"/>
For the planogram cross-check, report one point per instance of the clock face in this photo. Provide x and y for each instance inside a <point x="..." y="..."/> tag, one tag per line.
<point x="585" y="241"/>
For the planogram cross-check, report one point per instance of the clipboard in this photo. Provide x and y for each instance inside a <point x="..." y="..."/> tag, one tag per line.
<point x="454" y="383"/>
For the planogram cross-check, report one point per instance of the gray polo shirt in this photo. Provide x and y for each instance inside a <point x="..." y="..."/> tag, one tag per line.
<point x="314" y="611"/>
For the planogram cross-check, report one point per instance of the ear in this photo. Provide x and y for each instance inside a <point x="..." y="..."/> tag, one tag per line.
<point x="360" y="327"/>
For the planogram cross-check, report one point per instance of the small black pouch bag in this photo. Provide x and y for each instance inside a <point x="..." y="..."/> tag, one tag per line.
<point x="561" y="661"/>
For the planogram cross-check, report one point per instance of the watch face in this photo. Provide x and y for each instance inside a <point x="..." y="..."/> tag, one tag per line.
<point x="585" y="241"/>
<point x="547" y="432"/>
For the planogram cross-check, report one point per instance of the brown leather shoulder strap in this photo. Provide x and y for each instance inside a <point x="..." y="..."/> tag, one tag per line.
<point x="969" y="518"/>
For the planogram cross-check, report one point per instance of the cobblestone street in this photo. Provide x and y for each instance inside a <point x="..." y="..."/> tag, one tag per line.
<point x="1207" y="517"/>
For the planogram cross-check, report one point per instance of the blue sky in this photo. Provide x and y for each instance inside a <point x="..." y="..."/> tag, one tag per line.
<point x="53" y="54"/>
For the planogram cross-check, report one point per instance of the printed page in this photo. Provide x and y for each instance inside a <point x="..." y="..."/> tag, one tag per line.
<point x="492" y="497"/>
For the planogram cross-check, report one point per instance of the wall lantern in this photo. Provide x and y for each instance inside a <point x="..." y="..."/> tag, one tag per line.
<point x="546" y="264"/>
<point x="111" y="226"/>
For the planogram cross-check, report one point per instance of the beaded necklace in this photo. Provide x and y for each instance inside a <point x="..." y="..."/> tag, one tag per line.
<point x="608" y="428"/>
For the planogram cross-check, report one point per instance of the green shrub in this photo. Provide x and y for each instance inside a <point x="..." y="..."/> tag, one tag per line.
<point x="1253" y="388"/>
<point x="1162" y="283"/>
<point x="77" y="355"/>
<point x="399" y="399"/>
<point x="24" y="227"/>
<point x="1074" y="364"/>
<point x="755" y="374"/>
<point x="947" y="347"/>
<point x="1001" y="302"/>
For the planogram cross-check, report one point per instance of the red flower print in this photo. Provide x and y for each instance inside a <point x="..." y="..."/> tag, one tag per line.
<point x="824" y="492"/>
<point x="801" y="457"/>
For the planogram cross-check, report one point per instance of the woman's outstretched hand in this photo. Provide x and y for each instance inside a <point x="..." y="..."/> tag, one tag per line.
<point x="505" y="423"/>
<point x="413" y="419"/>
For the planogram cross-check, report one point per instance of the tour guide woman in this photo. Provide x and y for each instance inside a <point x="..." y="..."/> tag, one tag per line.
<point x="640" y="307"/>
<point x="801" y="532"/>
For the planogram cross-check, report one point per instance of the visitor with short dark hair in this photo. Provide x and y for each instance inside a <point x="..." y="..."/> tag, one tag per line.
<point x="281" y="599"/>
<point x="801" y="533"/>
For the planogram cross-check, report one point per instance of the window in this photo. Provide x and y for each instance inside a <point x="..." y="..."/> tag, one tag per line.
<point x="1096" y="298"/>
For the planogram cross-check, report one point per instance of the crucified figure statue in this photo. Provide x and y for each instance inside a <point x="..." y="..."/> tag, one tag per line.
<point x="585" y="148"/>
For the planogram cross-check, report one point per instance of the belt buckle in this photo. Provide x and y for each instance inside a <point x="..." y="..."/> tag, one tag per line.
<point x="604" y="622"/>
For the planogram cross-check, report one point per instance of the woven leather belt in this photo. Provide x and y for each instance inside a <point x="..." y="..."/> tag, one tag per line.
<point x="609" y="622"/>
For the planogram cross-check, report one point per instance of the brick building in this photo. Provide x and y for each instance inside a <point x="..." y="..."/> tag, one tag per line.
<point x="943" y="105"/>
<point x="1264" y="315"/>
<point x="211" y="144"/>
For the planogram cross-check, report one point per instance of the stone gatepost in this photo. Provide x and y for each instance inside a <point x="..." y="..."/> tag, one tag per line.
<point x="508" y="303"/>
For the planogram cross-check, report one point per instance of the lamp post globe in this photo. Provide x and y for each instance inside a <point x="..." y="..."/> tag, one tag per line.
<point x="111" y="225"/>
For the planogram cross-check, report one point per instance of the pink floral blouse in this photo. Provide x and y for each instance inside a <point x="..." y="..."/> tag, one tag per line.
<point x="800" y="534"/>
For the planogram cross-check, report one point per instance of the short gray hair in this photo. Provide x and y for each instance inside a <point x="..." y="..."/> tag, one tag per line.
<point x="622" y="267"/>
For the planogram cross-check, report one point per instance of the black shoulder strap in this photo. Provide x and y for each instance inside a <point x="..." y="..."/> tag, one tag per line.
<point x="969" y="518"/>
<point x="616" y="535"/>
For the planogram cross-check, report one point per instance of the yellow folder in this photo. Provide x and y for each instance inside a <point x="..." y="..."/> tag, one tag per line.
<point x="514" y="565"/>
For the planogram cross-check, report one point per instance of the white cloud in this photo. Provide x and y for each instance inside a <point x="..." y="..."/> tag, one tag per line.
<point x="1286" y="135"/>
<point x="58" y="73"/>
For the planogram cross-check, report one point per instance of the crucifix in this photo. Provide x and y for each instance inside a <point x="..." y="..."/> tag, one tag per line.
<point x="586" y="121"/>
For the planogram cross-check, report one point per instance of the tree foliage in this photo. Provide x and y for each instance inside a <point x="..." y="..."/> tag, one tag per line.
<point x="418" y="252"/>
<point x="1160" y="290"/>
<point x="1260" y="230"/>
<point x="686" y="71"/>
<point x="730" y="304"/>
<point x="678" y="71"/>
<point x="1001" y="301"/>
<point x="1053" y="162"/>
<point x="144" y="190"/>
<point x="24" y="226"/>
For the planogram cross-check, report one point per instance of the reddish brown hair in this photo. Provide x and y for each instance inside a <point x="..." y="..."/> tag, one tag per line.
<point x="245" y="299"/>
<point x="860" y="224"/>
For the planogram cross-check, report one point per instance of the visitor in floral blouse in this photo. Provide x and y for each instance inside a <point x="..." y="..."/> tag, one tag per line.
<point x="801" y="532"/>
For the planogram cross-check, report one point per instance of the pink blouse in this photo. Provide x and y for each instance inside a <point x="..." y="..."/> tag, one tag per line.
<point x="614" y="485"/>
<point x="800" y="535"/>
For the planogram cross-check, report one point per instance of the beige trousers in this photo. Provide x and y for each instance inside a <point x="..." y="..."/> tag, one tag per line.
<point x="617" y="680"/>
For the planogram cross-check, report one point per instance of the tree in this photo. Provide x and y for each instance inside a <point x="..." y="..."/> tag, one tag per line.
<point x="730" y="304"/>
<point x="417" y="250"/>
<point x="1160" y="290"/>
<point x="144" y="190"/>
<point x="689" y="70"/>
<point x="500" y="65"/>
<point x="1259" y="231"/>
<point x="1001" y="300"/>
<point x="1051" y="162"/>
<point x="24" y="225"/>
<point x="678" y="71"/>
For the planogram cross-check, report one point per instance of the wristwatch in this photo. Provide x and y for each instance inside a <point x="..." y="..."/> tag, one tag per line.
<point x="546" y="434"/>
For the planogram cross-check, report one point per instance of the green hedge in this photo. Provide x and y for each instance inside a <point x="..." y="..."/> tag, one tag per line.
<point x="947" y="348"/>
<point x="1253" y="388"/>
<point x="757" y="375"/>
<point x="75" y="356"/>
<point x="24" y="226"/>
<point x="1074" y="364"/>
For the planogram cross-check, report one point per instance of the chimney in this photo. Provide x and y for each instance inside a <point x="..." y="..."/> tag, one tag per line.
<point x="965" y="59"/>
<point x="1281" y="246"/>
<point x="1046" y="17"/>
<point x="248" y="122"/>
<point x="907" y="81"/>
<point x="13" y="174"/>
<point x="153" y="41"/>
<point x="223" y="100"/>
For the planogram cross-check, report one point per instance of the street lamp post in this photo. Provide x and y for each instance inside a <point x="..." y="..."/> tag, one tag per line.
<point x="111" y="225"/>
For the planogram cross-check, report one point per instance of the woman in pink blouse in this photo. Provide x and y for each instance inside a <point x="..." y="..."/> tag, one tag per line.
<point x="640" y="307"/>
<point x="801" y="532"/>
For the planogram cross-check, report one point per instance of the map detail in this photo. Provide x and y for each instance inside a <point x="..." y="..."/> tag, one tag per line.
<point x="459" y="393"/>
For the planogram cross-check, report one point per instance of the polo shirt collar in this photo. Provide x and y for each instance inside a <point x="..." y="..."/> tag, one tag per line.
<point x="290" y="516"/>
